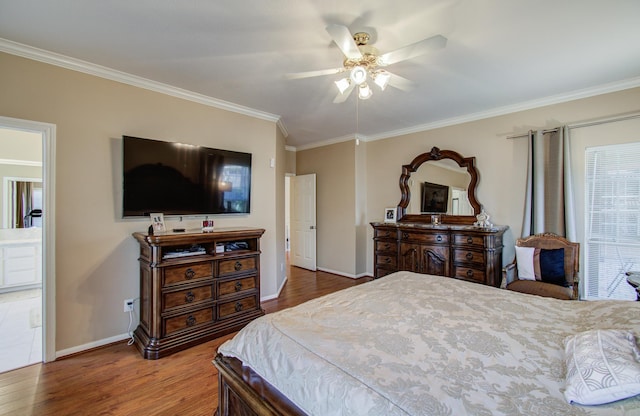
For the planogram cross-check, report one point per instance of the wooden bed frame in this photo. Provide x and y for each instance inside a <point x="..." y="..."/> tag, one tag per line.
<point x="243" y="392"/>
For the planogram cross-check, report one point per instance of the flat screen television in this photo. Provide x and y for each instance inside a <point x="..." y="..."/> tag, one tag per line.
<point x="435" y="198"/>
<point x="181" y="179"/>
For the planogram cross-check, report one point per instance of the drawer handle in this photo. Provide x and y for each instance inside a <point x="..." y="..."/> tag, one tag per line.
<point x="190" y="297"/>
<point x="238" y="306"/>
<point x="238" y="286"/>
<point x="469" y="256"/>
<point x="191" y="320"/>
<point x="439" y="239"/>
<point x="469" y="273"/>
<point x="405" y="236"/>
<point x="469" y="240"/>
<point x="189" y="273"/>
<point x="237" y="266"/>
<point x="387" y="260"/>
<point x="387" y="246"/>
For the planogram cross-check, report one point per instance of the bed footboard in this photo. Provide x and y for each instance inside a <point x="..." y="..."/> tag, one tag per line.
<point x="243" y="392"/>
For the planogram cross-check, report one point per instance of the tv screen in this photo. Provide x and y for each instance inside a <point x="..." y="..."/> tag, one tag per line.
<point x="182" y="179"/>
<point x="435" y="198"/>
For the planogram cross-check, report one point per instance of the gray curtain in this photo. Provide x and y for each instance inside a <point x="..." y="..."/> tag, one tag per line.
<point x="549" y="205"/>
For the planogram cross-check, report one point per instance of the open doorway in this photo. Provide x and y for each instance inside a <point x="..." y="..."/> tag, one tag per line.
<point x="27" y="331"/>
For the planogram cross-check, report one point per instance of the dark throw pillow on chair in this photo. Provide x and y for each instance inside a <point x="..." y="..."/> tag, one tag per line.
<point x="552" y="266"/>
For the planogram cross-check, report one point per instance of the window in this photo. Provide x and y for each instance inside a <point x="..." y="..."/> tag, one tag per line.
<point x="612" y="223"/>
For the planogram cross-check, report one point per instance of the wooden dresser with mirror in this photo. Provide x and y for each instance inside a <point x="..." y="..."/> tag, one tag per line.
<point x="451" y="245"/>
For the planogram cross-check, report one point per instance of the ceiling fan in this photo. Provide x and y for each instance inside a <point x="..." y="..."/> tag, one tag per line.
<point x="363" y="62"/>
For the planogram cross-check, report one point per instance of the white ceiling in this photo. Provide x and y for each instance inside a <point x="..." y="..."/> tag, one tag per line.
<point x="501" y="55"/>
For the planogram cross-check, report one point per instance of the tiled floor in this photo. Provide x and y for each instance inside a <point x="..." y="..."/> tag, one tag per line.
<point x="20" y="329"/>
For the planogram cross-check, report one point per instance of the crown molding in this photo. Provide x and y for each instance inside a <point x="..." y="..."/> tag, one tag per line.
<point x="499" y="111"/>
<point x="282" y="128"/>
<point x="41" y="55"/>
<point x="330" y="142"/>
<point x="18" y="162"/>
<point x="527" y="105"/>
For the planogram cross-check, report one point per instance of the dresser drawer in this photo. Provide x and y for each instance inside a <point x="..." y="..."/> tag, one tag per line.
<point x="386" y="246"/>
<point x="385" y="233"/>
<point x="381" y="272"/>
<point x="462" y="239"/>
<point x="236" y="286"/>
<point x="430" y="238"/>
<point x="469" y="273"/>
<point x="229" y="309"/>
<point x="471" y="256"/>
<point x="387" y="261"/>
<point x="187" y="297"/>
<point x="236" y="266"/>
<point x="187" y="320"/>
<point x="188" y="273"/>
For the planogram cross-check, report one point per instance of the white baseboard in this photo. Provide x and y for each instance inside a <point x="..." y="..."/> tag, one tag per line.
<point x="91" y="345"/>
<point x="277" y="295"/>
<point x="351" y="276"/>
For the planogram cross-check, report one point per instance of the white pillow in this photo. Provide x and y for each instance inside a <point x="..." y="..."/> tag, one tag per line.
<point x="602" y="366"/>
<point x="524" y="259"/>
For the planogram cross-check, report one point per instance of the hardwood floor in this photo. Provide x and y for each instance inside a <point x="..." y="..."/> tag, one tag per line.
<point x="116" y="380"/>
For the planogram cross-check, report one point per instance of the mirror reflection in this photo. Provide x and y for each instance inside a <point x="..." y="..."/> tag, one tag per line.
<point x="440" y="187"/>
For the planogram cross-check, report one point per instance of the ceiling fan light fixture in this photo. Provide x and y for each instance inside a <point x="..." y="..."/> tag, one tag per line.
<point x="343" y="84"/>
<point x="358" y="75"/>
<point x="364" y="91"/>
<point x="381" y="79"/>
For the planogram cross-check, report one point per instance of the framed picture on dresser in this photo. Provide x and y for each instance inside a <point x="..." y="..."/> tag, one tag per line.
<point x="389" y="215"/>
<point x="157" y="222"/>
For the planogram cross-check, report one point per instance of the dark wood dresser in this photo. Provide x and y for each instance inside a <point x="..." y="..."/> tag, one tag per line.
<point x="196" y="286"/>
<point x="460" y="251"/>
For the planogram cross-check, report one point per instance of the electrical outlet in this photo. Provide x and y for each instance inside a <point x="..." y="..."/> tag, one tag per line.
<point x="128" y="305"/>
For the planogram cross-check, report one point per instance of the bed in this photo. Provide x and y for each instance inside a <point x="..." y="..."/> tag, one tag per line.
<point x="414" y="344"/>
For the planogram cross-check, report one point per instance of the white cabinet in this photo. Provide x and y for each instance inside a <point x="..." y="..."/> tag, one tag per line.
<point x="20" y="259"/>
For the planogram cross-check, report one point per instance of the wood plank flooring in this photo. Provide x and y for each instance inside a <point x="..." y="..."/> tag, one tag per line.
<point x="116" y="380"/>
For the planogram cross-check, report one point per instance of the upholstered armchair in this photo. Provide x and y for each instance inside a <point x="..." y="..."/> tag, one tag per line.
<point x="545" y="265"/>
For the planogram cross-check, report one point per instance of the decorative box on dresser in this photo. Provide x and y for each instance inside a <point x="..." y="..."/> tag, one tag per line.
<point x="460" y="251"/>
<point x="196" y="286"/>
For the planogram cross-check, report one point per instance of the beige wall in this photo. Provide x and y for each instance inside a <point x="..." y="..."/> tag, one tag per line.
<point x="500" y="161"/>
<point x="334" y="167"/>
<point x="20" y="145"/>
<point x="290" y="157"/>
<point x="96" y="257"/>
<point x="280" y="170"/>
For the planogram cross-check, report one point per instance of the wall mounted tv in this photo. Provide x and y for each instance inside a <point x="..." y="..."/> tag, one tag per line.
<point x="182" y="179"/>
<point x="435" y="198"/>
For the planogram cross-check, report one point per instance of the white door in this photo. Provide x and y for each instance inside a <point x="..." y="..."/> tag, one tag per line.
<point x="303" y="220"/>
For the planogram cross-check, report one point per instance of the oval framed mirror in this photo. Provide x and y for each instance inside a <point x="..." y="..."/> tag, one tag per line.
<point x="440" y="188"/>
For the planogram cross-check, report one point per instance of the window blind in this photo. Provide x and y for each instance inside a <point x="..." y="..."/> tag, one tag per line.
<point x="612" y="223"/>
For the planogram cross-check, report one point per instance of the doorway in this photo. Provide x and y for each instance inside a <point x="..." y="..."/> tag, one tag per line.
<point x="302" y="231"/>
<point x="26" y="243"/>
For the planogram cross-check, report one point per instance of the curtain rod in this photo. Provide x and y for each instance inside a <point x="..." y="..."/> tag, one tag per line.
<point x="585" y="124"/>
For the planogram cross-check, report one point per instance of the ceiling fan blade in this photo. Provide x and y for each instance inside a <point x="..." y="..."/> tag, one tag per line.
<point x="413" y="50"/>
<point x="344" y="39"/>
<point x="342" y="97"/>
<point x="401" y="83"/>
<point x="309" y="74"/>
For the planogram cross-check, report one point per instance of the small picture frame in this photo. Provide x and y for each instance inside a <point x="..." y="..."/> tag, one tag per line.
<point x="389" y="215"/>
<point x="157" y="222"/>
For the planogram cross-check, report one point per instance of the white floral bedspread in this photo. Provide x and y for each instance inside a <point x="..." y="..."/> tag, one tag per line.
<point x="412" y="344"/>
